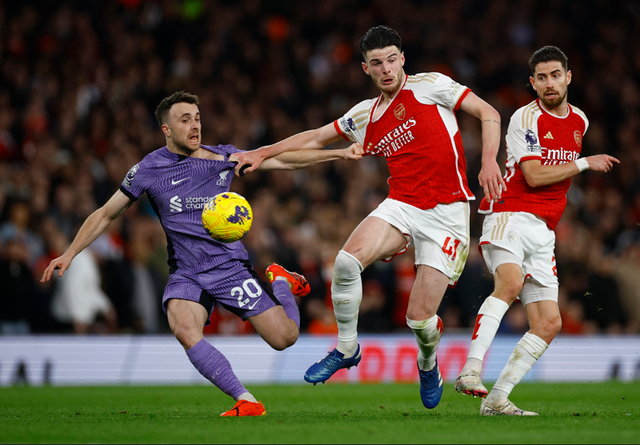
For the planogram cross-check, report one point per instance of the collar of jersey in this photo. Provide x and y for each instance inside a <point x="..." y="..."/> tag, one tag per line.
<point x="373" y="110"/>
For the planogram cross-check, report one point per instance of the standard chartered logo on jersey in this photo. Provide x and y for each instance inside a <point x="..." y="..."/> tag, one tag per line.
<point x="175" y="204"/>
<point x="190" y="203"/>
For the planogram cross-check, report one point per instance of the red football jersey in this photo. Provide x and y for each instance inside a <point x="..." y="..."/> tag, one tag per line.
<point x="534" y="133"/>
<point x="419" y="137"/>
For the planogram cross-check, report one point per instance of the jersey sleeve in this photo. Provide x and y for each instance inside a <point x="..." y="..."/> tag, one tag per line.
<point x="137" y="180"/>
<point x="353" y="125"/>
<point x="523" y="143"/>
<point x="442" y="90"/>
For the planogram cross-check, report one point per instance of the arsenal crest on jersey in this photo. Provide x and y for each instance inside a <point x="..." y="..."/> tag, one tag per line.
<point x="399" y="112"/>
<point x="578" y="138"/>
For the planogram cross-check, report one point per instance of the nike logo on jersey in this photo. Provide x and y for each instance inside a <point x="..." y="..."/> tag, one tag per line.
<point x="178" y="182"/>
<point x="254" y="303"/>
<point x="548" y="136"/>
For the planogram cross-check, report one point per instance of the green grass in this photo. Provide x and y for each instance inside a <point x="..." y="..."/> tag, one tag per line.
<point x="570" y="413"/>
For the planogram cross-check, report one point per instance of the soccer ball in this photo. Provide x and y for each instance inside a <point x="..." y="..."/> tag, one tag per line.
<point x="227" y="217"/>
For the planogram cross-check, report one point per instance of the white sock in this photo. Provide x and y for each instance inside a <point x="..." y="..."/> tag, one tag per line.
<point x="489" y="317"/>
<point x="528" y="350"/>
<point x="346" y="294"/>
<point x="247" y="396"/>
<point x="428" y="337"/>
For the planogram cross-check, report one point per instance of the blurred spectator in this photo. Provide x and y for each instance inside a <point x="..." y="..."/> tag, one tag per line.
<point x="147" y="288"/>
<point x="628" y="282"/>
<point x="16" y="227"/>
<point x="78" y="298"/>
<point x="18" y="288"/>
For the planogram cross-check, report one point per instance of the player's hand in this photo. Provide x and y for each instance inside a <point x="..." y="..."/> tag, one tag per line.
<point x="61" y="263"/>
<point x="247" y="161"/>
<point x="353" y="152"/>
<point x="601" y="163"/>
<point x="491" y="181"/>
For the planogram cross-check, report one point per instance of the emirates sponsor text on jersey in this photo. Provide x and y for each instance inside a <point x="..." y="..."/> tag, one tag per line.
<point x="558" y="156"/>
<point x="395" y="139"/>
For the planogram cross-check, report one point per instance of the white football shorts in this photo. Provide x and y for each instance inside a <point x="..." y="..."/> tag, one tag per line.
<point x="440" y="234"/>
<point x="524" y="239"/>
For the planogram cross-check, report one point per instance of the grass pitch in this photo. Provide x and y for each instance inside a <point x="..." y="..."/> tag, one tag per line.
<point x="569" y="413"/>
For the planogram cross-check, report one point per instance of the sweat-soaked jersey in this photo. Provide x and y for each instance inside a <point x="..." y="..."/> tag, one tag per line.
<point x="534" y="133"/>
<point x="419" y="137"/>
<point x="178" y="188"/>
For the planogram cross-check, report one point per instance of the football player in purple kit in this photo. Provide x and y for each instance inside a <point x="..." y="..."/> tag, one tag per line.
<point x="179" y="179"/>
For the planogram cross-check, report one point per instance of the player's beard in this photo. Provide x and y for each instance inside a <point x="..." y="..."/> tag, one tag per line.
<point x="394" y="87"/>
<point x="550" y="104"/>
<point x="186" y="147"/>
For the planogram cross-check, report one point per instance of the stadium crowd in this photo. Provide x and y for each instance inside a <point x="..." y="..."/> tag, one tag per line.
<point x="80" y="80"/>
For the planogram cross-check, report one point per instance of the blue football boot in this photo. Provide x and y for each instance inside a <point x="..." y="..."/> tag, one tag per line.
<point x="431" y="386"/>
<point x="321" y="371"/>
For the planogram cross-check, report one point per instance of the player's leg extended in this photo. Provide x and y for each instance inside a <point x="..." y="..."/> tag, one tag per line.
<point x="545" y="323"/>
<point x="508" y="283"/>
<point x="372" y="240"/>
<point x="279" y="326"/>
<point x="187" y="320"/>
<point x="425" y="298"/>
<point x="441" y="237"/>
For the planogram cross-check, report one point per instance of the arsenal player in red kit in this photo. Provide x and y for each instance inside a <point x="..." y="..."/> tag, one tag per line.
<point x="413" y="125"/>
<point x="544" y="141"/>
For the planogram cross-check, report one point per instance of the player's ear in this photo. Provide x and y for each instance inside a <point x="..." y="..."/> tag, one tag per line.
<point x="569" y="76"/>
<point x="365" y="68"/>
<point x="166" y="130"/>
<point x="402" y="58"/>
<point x="533" y="83"/>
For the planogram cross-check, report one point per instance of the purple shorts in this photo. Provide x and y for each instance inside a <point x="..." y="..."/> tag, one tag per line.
<point x="234" y="285"/>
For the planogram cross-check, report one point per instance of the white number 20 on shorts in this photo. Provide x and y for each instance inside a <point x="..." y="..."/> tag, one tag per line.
<point x="252" y="290"/>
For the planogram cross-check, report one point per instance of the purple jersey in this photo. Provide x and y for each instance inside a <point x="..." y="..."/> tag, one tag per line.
<point x="178" y="188"/>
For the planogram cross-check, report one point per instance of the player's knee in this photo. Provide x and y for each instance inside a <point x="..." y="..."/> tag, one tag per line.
<point x="548" y="327"/>
<point x="284" y="341"/>
<point x="509" y="291"/>
<point x="554" y="325"/>
<point x="187" y="335"/>
<point x="346" y="268"/>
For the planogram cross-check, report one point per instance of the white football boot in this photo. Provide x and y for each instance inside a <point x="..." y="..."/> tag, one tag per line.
<point x="469" y="383"/>
<point x="506" y="409"/>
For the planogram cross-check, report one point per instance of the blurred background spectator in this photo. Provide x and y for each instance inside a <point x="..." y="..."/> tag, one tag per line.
<point x="80" y="79"/>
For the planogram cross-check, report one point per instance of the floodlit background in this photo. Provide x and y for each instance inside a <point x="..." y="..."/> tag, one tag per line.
<point x="79" y="81"/>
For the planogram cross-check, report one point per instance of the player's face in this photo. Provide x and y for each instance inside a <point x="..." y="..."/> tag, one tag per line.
<point x="551" y="83"/>
<point x="183" y="129"/>
<point x="385" y="68"/>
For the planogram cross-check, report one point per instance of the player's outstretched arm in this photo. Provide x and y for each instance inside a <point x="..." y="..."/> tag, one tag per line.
<point x="538" y="175"/>
<point x="306" y="158"/>
<point x="91" y="229"/>
<point x="490" y="176"/>
<point x="311" y="139"/>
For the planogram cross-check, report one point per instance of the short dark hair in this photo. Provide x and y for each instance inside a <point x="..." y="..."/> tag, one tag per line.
<point x="162" y="111"/>
<point x="548" y="54"/>
<point x="379" y="37"/>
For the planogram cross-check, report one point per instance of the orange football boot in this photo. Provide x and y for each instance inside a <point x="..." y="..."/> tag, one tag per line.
<point x="297" y="283"/>
<point x="245" y="408"/>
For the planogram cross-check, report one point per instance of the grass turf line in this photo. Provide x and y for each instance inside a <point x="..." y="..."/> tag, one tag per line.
<point x="386" y="413"/>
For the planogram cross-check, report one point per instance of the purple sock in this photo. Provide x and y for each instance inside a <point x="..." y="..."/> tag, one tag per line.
<point x="285" y="297"/>
<point x="216" y="368"/>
